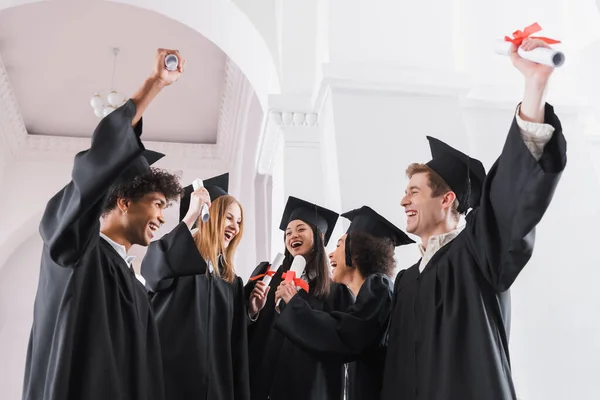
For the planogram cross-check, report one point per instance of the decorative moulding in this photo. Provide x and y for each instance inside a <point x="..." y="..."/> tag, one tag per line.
<point x="236" y="96"/>
<point x="13" y="134"/>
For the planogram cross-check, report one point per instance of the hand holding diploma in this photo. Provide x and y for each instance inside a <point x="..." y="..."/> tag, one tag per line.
<point x="539" y="54"/>
<point x="199" y="199"/>
<point x="286" y="291"/>
<point x="258" y="298"/>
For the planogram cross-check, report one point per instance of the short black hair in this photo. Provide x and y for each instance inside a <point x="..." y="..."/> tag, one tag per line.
<point x="155" y="181"/>
<point x="370" y="254"/>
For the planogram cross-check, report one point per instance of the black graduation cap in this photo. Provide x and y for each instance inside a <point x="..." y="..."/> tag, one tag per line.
<point x="140" y="166"/>
<point x="464" y="175"/>
<point x="311" y="213"/>
<point x="216" y="187"/>
<point x="365" y="219"/>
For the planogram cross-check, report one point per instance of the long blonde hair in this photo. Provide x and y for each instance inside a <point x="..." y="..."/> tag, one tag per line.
<point x="209" y="237"/>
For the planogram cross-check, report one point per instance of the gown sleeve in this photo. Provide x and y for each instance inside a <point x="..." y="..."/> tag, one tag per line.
<point x="516" y="193"/>
<point x="70" y="223"/>
<point x="239" y="345"/>
<point x="172" y="256"/>
<point x="340" y="335"/>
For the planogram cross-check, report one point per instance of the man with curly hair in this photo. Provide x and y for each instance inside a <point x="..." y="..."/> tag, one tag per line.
<point x="364" y="261"/>
<point x="93" y="334"/>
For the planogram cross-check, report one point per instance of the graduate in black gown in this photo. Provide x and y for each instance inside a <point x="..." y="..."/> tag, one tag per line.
<point x="364" y="261"/>
<point x="93" y="334"/>
<point x="199" y="300"/>
<point x="447" y="336"/>
<point x="279" y="369"/>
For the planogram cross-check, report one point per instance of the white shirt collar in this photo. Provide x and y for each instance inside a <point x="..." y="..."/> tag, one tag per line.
<point x="119" y="248"/>
<point x="435" y="243"/>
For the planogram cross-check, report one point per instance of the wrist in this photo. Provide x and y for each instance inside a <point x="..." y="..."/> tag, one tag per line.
<point x="536" y="85"/>
<point x="155" y="82"/>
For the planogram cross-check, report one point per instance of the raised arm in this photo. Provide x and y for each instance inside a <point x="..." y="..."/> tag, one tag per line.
<point x="172" y="256"/>
<point x="521" y="184"/>
<point x="340" y="335"/>
<point x="71" y="220"/>
<point x="176" y="254"/>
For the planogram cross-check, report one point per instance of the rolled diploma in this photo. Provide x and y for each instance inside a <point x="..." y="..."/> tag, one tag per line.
<point x="297" y="266"/>
<point x="274" y="267"/>
<point x="197" y="184"/>
<point x="540" y="55"/>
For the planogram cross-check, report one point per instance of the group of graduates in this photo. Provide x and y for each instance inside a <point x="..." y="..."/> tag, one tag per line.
<point x="197" y="331"/>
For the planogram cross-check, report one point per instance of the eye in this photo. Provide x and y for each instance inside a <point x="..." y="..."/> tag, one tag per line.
<point x="288" y="233"/>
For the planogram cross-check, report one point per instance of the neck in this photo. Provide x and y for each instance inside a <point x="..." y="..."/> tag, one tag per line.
<point x="439" y="230"/>
<point x="115" y="233"/>
<point x="356" y="282"/>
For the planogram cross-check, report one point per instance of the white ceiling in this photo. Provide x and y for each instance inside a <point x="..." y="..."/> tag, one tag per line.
<point x="59" y="53"/>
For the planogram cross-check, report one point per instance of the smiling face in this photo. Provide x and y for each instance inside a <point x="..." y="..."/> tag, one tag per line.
<point x="299" y="238"/>
<point x="337" y="260"/>
<point x="143" y="217"/>
<point x="232" y="223"/>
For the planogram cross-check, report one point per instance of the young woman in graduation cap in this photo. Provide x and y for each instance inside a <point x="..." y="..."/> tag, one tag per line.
<point x="280" y="369"/>
<point x="364" y="261"/>
<point x="198" y="299"/>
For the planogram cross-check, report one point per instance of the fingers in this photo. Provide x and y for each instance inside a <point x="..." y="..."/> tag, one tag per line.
<point x="260" y="292"/>
<point x="530" y="44"/>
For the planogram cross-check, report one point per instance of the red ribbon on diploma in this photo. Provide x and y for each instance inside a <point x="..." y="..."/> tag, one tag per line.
<point x="268" y="273"/>
<point x="519" y="36"/>
<point x="290" y="276"/>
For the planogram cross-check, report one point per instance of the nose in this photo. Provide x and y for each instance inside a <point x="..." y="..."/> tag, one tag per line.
<point x="405" y="201"/>
<point x="331" y="256"/>
<point x="161" y="219"/>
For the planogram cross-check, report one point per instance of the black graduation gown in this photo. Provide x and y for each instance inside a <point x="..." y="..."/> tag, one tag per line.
<point x="201" y="321"/>
<point x="280" y="370"/>
<point x="447" y="338"/>
<point x="93" y="334"/>
<point x="354" y="335"/>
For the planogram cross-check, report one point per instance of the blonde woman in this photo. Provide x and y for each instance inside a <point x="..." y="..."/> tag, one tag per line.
<point x="198" y="299"/>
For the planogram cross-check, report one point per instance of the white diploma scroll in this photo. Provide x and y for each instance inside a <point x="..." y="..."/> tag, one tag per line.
<point x="274" y="267"/>
<point x="197" y="184"/>
<point x="540" y="55"/>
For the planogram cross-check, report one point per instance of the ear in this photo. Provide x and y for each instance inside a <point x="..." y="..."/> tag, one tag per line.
<point x="448" y="199"/>
<point x="123" y="204"/>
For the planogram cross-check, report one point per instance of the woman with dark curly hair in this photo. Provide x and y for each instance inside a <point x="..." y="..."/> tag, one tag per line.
<point x="363" y="260"/>
<point x="199" y="300"/>
<point x="94" y="335"/>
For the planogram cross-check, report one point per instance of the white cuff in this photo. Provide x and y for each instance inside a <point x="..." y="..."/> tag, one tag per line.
<point x="534" y="135"/>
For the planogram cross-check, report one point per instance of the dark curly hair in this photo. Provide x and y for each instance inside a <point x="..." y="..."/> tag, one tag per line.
<point x="370" y="254"/>
<point x="155" y="181"/>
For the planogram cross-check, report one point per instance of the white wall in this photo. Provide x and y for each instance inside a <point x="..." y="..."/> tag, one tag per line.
<point x="18" y="285"/>
<point x="555" y="345"/>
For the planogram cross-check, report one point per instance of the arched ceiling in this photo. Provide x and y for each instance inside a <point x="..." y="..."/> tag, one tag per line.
<point x="55" y="68"/>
